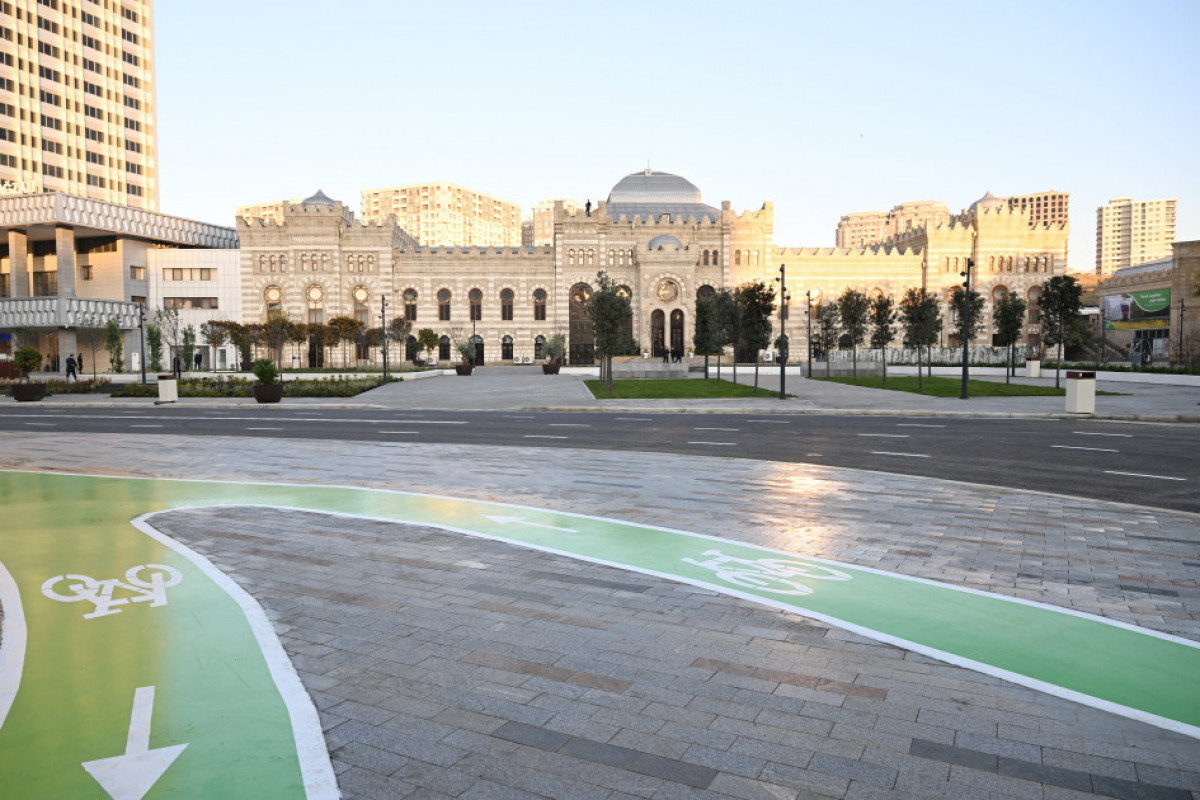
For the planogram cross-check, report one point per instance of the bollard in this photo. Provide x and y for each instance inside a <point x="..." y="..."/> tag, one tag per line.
<point x="1081" y="392"/>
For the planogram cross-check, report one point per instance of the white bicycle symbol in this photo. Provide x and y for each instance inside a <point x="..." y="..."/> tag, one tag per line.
<point x="767" y="574"/>
<point x="143" y="583"/>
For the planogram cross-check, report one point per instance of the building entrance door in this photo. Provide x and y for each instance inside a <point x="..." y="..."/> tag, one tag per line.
<point x="677" y="332"/>
<point x="583" y="338"/>
<point x="658" y="344"/>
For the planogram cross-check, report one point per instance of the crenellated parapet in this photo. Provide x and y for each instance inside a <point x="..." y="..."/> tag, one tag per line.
<point x="845" y="253"/>
<point x="479" y="252"/>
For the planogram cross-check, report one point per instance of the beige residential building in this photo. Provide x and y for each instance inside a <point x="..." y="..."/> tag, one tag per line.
<point x="445" y="215"/>
<point x="1130" y="232"/>
<point x="77" y="100"/>
<point x="266" y="211"/>
<point x="1043" y="207"/>
<point x="867" y="228"/>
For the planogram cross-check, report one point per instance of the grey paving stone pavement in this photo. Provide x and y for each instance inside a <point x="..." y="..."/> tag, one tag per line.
<point x="447" y="666"/>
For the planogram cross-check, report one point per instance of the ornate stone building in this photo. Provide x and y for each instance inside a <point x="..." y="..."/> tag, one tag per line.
<point x="653" y="235"/>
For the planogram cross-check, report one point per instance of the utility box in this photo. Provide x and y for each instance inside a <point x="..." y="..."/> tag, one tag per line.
<point x="168" y="389"/>
<point x="1033" y="368"/>
<point x="1081" y="392"/>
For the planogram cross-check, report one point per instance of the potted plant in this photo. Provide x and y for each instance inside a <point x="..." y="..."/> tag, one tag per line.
<point x="466" y="349"/>
<point x="27" y="360"/>
<point x="554" y="349"/>
<point x="267" y="390"/>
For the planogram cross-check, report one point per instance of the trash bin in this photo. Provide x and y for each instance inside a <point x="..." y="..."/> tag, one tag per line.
<point x="1081" y="392"/>
<point x="1033" y="368"/>
<point x="168" y="389"/>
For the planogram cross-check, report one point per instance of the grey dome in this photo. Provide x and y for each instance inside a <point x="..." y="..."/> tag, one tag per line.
<point x="654" y="187"/>
<point x="318" y="199"/>
<point x="665" y="240"/>
<point x="989" y="200"/>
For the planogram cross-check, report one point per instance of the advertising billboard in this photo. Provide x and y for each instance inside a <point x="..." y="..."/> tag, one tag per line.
<point x="1138" y="310"/>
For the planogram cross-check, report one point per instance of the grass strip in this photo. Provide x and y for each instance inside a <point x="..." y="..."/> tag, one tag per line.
<point x="952" y="387"/>
<point x="679" y="389"/>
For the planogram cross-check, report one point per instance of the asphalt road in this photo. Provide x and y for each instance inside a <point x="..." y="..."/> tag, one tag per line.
<point x="1154" y="465"/>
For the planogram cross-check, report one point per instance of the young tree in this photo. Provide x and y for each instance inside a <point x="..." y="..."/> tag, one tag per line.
<point x="346" y="329"/>
<point x="427" y="339"/>
<point x="704" y="340"/>
<point x="241" y="337"/>
<point x="167" y="320"/>
<point x="215" y="334"/>
<point x="611" y="315"/>
<point x="398" y="331"/>
<point x="882" y="315"/>
<point x="275" y="335"/>
<point x="154" y="342"/>
<point x="922" y="321"/>
<point x="854" y="309"/>
<point x="957" y="303"/>
<point x="114" y="342"/>
<point x="724" y="326"/>
<point x="1062" y="298"/>
<point x="555" y="348"/>
<point x="828" y="327"/>
<point x="1010" y="322"/>
<point x="756" y="305"/>
<point x="189" y="346"/>
<point x="90" y="333"/>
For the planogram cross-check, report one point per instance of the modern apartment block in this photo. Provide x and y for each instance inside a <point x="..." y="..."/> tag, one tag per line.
<point x="866" y="228"/>
<point x="543" y="218"/>
<point x="446" y="215"/>
<point x="77" y="99"/>
<point x="1043" y="207"/>
<point x="1132" y="232"/>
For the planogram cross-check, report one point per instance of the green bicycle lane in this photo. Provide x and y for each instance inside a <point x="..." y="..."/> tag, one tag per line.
<point x="218" y="694"/>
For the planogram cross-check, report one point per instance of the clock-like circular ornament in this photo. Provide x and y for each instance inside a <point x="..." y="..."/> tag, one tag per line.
<point x="360" y="294"/>
<point x="274" y="295"/>
<point x="315" y="293"/>
<point x="667" y="291"/>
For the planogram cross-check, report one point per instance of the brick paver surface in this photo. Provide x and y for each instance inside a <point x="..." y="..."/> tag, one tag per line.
<point x="446" y="666"/>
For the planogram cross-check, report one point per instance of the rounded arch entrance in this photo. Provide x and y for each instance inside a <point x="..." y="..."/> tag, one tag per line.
<point x="658" y="344"/>
<point x="677" y="333"/>
<point x="582" y="341"/>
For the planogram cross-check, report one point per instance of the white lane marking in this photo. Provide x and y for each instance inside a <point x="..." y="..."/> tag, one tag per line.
<point x="12" y="655"/>
<point x="718" y="444"/>
<point x="916" y="425"/>
<point x="407" y="433"/>
<point x="46" y="424"/>
<point x="258" y="429"/>
<point x="772" y="421"/>
<point x="1093" y="433"/>
<point x="542" y="436"/>
<point x="569" y="425"/>
<point x="886" y="435"/>
<point x="519" y="416"/>
<point x="1093" y="449"/>
<point x="210" y="417"/>
<point x="633" y="419"/>
<point x="420" y="421"/>
<point x="889" y="453"/>
<point x="1143" y="475"/>
<point x="145" y="426"/>
<point x="716" y="429"/>
<point x="134" y="772"/>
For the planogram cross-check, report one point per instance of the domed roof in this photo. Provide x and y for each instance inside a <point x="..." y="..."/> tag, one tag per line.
<point x="989" y="200"/>
<point x="664" y="240"/>
<point x="648" y="186"/>
<point x="318" y="199"/>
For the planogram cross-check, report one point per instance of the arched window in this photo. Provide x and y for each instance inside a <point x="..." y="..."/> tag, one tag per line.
<point x="705" y="292"/>
<point x="274" y="299"/>
<point x="506" y="349"/>
<point x="591" y="254"/>
<point x="571" y="258"/>
<point x="410" y="348"/>
<point x="476" y="299"/>
<point x="737" y="258"/>
<point x="361" y="313"/>
<point x="444" y="305"/>
<point x="539" y="344"/>
<point x="444" y="348"/>
<point x="304" y="262"/>
<point x="704" y="258"/>
<point x="756" y="255"/>
<point x="410" y="305"/>
<point x="999" y="293"/>
<point x="539" y="304"/>
<point x="1035" y="304"/>
<point x="612" y="256"/>
<point x="992" y="263"/>
<point x="316" y="304"/>
<point x="506" y="305"/>
<point x="716" y="258"/>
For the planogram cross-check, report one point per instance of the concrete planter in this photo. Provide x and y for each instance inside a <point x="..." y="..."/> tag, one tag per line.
<point x="464" y="369"/>
<point x="550" y="369"/>
<point x="268" y="392"/>
<point x="28" y="392"/>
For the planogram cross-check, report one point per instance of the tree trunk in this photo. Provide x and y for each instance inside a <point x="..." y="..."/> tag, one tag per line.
<point x="883" y="360"/>
<point x="1058" y="365"/>
<point x="854" y="359"/>
<point x="920" y="378"/>
<point x="706" y="366"/>
<point x="719" y="365"/>
<point x="608" y="374"/>
<point x="756" y="371"/>
<point x="828" y="364"/>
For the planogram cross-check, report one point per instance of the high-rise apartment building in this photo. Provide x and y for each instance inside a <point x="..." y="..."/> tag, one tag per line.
<point x="445" y="214"/>
<point x="543" y="218"/>
<point x="1043" y="207"/>
<point x="1132" y="232"/>
<point x="866" y="228"/>
<point x="77" y="104"/>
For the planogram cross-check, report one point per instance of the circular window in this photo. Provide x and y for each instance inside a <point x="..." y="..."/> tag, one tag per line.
<point x="273" y="294"/>
<point x="667" y="291"/>
<point x="360" y="294"/>
<point x="316" y="293"/>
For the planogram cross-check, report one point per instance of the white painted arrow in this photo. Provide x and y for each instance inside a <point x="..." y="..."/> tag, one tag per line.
<point x="130" y="776"/>
<point x="523" y="521"/>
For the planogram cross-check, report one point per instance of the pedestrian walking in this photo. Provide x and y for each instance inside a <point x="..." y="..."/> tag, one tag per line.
<point x="71" y="368"/>
<point x="198" y="359"/>
<point x="79" y="361"/>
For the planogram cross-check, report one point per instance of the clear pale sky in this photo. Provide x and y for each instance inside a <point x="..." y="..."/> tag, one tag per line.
<point x="822" y="107"/>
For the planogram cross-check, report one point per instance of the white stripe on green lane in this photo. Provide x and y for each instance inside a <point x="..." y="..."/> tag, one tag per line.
<point x="81" y="682"/>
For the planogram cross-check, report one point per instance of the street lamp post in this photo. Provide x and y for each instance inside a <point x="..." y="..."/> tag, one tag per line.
<point x="783" y="341"/>
<point x="383" y="304"/>
<point x="142" y="335"/>
<point x="966" y="328"/>
<point x="808" y="315"/>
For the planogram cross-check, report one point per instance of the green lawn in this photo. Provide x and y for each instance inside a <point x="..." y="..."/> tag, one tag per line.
<point x="675" y="389"/>
<point x="952" y="387"/>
